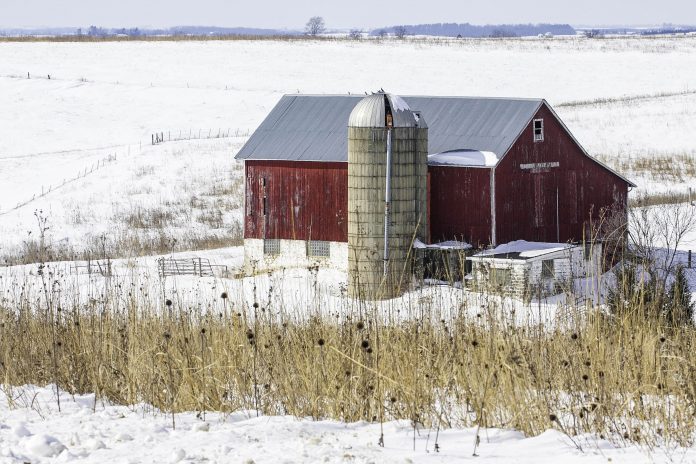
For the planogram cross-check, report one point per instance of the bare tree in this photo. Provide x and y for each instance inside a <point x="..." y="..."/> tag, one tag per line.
<point x="400" y="31"/>
<point x="382" y="33"/>
<point x="652" y="236"/>
<point x="656" y="233"/>
<point x="355" y="34"/>
<point x="594" y="34"/>
<point x="315" y="26"/>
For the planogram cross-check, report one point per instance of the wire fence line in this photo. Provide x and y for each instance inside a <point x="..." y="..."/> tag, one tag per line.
<point x="156" y="138"/>
<point x="173" y="136"/>
<point x="45" y="190"/>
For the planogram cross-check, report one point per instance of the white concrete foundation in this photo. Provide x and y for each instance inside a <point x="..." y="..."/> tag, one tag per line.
<point x="293" y="254"/>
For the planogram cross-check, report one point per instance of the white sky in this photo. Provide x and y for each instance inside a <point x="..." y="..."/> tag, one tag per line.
<point x="292" y="14"/>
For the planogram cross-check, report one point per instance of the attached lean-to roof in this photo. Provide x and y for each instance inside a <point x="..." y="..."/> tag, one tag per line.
<point x="523" y="250"/>
<point x="315" y="127"/>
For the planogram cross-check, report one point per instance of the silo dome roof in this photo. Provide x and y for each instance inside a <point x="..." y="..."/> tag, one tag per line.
<point x="371" y="112"/>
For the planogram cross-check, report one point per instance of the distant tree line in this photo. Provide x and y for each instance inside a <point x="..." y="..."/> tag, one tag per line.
<point x="470" y="30"/>
<point x="96" y="31"/>
<point x="669" y="30"/>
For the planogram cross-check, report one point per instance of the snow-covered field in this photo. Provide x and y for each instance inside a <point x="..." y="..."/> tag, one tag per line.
<point x="77" y="147"/>
<point x="78" y="144"/>
<point x="104" y="94"/>
<point x="187" y="190"/>
<point x="33" y="430"/>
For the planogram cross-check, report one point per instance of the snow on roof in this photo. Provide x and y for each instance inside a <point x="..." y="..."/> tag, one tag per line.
<point x="448" y="245"/>
<point x="463" y="157"/>
<point x="524" y="249"/>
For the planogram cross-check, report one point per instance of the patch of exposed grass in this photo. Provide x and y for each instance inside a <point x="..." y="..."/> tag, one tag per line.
<point x="623" y="99"/>
<point x="677" y="167"/>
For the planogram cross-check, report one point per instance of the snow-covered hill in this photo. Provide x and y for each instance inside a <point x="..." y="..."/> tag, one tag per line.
<point x="104" y="101"/>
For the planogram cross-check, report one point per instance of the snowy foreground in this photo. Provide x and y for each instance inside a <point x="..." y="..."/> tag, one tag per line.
<point x="33" y="430"/>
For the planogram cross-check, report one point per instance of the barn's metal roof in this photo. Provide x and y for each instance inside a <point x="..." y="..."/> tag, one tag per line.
<point x="315" y="127"/>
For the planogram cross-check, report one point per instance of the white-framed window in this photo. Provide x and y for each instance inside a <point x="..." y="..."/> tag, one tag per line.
<point x="548" y="270"/>
<point x="318" y="248"/>
<point x="271" y="246"/>
<point x="538" y="126"/>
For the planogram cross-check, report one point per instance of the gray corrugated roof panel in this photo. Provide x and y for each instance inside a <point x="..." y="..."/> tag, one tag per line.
<point x="484" y="124"/>
<point x="315" y="127"/>
<point x="303" y="128"/>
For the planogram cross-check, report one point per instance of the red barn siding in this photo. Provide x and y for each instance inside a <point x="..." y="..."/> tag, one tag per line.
<point x="309" y="200"/>
<point x="526" y="202"/>
<point x="460" y="204"/>
<point x="303" y="200"/>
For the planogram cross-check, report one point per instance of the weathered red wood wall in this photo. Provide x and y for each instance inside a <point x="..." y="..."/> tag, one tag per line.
<point x="460" y="204"/>
<point x="526" y="202"/>
<point x="296" y="200"/>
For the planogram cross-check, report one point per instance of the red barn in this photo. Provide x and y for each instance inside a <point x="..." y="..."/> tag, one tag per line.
<point x="499" y="170"/>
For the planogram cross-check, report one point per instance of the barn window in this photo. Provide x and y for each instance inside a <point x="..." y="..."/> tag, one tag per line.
<point x="318" y="248"/>
<point x="538" y="130"/>
<point x="547" y="269"/>
<point x="265" y="196"/>
<point x="271" y="246"/>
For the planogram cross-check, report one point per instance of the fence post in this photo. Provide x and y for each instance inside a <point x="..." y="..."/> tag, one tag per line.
<point x="689" y="259"/>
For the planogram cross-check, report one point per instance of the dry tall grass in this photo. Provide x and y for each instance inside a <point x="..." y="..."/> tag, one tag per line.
<point x="432" y="361"/>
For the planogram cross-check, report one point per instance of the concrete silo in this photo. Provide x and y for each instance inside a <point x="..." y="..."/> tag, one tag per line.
<point x="387" y="194"/>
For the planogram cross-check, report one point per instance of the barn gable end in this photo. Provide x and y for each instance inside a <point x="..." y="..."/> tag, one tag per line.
<point x="551" y="189"/>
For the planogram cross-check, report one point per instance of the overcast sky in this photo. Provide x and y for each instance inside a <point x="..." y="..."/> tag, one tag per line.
<point x="292" y="14"/>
